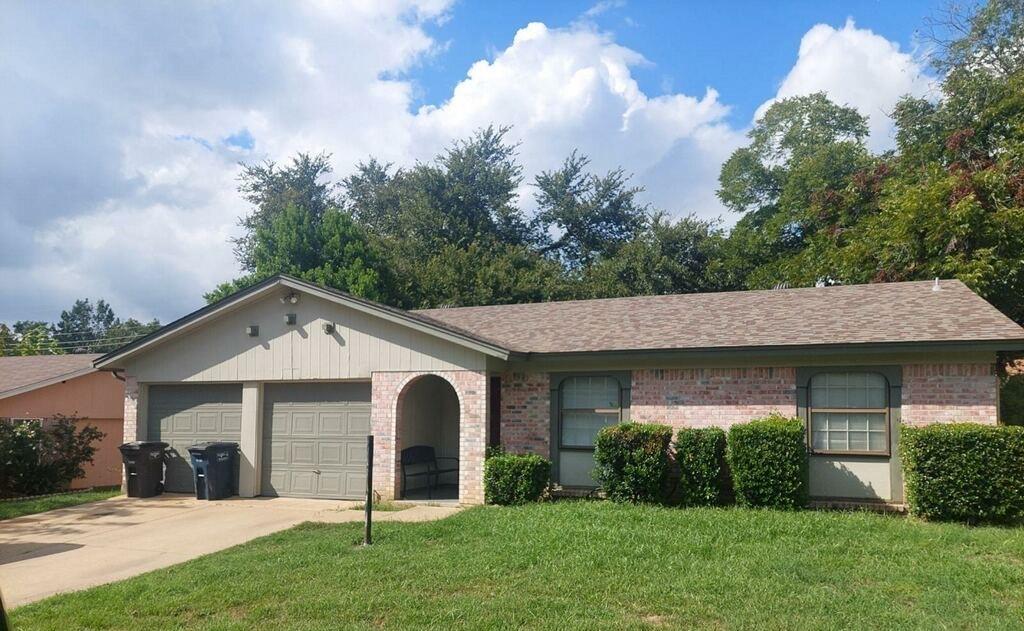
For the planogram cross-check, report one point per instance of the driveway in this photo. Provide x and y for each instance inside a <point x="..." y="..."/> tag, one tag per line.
<point x="82" y="546"/>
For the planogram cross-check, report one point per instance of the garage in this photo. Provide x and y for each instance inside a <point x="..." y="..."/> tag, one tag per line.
<point x="314" y="439"/>
<point x="183" y="415"/>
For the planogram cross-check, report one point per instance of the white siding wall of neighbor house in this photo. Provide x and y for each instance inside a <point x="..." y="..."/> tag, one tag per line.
<point x="221" y="351"/>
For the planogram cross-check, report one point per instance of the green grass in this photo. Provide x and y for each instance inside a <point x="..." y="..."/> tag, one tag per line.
<point x="19" y="508"/>
<point x="570" y="565"/>
<point x="384" y="506"/>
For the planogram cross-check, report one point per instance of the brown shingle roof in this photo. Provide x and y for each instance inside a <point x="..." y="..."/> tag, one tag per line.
<point x="850" y="314"/>
<point x="19" y="372"/>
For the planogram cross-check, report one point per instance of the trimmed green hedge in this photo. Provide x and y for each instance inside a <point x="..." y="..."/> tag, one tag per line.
<point x="964" y="472"/>
<point x="512" y="479"/>
<point x="703" y="475"/>
<point x="768" y="461"/>
<point x="633" y="461"/>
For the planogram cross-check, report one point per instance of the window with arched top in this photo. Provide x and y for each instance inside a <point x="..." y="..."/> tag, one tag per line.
<point x="849" y="413"/>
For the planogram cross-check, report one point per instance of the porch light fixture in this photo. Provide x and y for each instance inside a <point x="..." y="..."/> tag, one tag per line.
<point x="252" y="330"/>
<point x="290" y="318"/>
<point x="328" y="328"/>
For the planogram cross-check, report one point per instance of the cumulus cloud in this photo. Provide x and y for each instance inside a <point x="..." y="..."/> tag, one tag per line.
<point x="124" y="125"/>
<point x="860" y="68"/>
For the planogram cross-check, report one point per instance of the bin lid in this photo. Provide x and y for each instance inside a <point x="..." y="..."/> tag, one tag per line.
<point x="213" y="445"/>
<point x="139" y="445"/>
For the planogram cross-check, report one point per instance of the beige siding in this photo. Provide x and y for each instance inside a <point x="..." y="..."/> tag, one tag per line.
<point x="361" y="344"/>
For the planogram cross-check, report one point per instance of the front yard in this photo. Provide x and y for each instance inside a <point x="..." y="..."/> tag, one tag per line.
<point x="581" y="565"/>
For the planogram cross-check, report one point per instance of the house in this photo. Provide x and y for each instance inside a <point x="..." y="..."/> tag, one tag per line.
<point x="45" y="386"/>
<point x="299" y="374"/>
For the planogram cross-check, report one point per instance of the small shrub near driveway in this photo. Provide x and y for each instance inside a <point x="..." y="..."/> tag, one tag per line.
<point x="700" y="454"/>
<point x="768" y="462"/>
<point x="964" y="472"/>
<point x="633" y="461"/>
<point x="513" y="479"/>
<point x="40" y="458"/>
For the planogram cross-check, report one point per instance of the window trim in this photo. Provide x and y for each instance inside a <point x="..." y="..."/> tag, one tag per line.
<point x="892" y="377"/>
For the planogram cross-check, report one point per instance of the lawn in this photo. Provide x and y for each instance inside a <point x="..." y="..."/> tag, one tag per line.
<point x="19" y="508"/>
<point x="581" y="565"/>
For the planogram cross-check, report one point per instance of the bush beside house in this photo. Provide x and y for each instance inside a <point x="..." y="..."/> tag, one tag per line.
<point x="633" y="461"/>
<point x="513" y="479"/>
<point x="768" y="462"/>
<point x="703" y="474"/>
<point x="964" y="472"/>
<point x="41" y="457"/>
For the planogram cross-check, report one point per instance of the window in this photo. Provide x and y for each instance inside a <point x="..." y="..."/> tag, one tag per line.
<point x="849" y="413"/>
<point x="587" y="405"/>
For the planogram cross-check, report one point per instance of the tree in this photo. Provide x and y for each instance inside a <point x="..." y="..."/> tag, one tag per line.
<point x="593" y="216"/>
<point x="94" y="328"/>
<point x="34" y="338"/>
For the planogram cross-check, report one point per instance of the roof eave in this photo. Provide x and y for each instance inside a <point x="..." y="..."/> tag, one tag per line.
<point x="785" y="350"/>
<point x="29" y="387"/>
<point x="198" y="317"/>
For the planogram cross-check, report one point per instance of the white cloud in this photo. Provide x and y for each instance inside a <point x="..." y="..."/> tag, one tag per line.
<point x="860" y="68"/>
<point x="121" y="139"/>
<point x="566" y="89"/>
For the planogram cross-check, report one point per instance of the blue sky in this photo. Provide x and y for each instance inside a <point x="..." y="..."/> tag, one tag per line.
<point x="124" y="123"/>
<point x="744" y="49"/>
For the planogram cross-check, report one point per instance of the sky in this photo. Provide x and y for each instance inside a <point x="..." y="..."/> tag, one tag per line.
<point x="124" y="124"/>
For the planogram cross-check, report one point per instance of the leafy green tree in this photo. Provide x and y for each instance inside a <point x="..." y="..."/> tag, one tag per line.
<point x="593" y="216"/>
<point x="94" y="328"/>
<point x="34" y="337"/>
<point x="670" y="257"/>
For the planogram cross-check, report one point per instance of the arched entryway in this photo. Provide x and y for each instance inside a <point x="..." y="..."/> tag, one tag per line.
<point x="428" y="440"/>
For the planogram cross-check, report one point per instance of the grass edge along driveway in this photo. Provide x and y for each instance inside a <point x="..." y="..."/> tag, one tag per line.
<point x="10" y="509"/>
<point x="581" y="564"/>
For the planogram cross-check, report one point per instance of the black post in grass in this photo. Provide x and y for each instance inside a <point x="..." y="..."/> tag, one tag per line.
<point x="367" y="534"/>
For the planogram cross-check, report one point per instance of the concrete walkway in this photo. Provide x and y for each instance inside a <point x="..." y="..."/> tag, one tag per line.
<point x="82" y="546"/>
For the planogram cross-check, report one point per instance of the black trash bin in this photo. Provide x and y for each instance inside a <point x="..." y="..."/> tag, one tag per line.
<point x="213" y="465"/>
<point x="144" y="467"/>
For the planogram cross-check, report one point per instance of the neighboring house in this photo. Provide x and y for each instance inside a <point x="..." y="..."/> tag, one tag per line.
<point x="300" y="374"/>
<point x="45" y="386"/>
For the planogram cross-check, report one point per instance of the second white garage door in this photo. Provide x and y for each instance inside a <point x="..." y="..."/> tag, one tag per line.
<point x="314" y="439"/>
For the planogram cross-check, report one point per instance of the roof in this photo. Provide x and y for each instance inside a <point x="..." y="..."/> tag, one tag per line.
<point x="410" y="319"/>
<point x="22" y="374"/>
<point x="882" y="313"/>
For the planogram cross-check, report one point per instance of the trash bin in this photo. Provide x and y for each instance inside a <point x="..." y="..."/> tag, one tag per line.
<point x="144" y="467"/>
<point x="214" y="468"/>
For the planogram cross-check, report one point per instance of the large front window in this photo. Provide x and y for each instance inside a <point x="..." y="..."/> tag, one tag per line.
<point x="849" y="413"/>
<point x="587" y="405"/>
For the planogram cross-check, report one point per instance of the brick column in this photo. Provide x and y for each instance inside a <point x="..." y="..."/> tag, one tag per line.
<point x="471" y="388"/>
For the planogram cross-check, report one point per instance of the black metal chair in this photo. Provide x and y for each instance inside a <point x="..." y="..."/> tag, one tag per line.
<point x="425" y="458"/>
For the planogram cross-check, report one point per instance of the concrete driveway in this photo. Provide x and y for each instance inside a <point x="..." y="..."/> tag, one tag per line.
<point x="82" y="546"/>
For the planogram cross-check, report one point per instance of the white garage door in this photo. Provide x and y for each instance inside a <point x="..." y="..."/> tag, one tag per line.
<point x="314" y="439"/>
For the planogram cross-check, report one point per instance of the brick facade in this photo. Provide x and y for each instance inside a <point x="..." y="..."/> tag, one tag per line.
<point x="526" y="413"/>
<point x="131" y="409"/>
<point x="704" y="397"/>
<point x="389" y="389"/>
<point x="946" y="393"/>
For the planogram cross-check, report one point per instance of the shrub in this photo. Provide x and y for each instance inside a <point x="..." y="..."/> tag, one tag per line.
<point x="38" y="458"/>
<point x="964" y="472"/>
<point x="633" y="461"/>
<point x="703" y="476"/>
<point x="512" y="479"/>
<point x="768" y="461"/>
